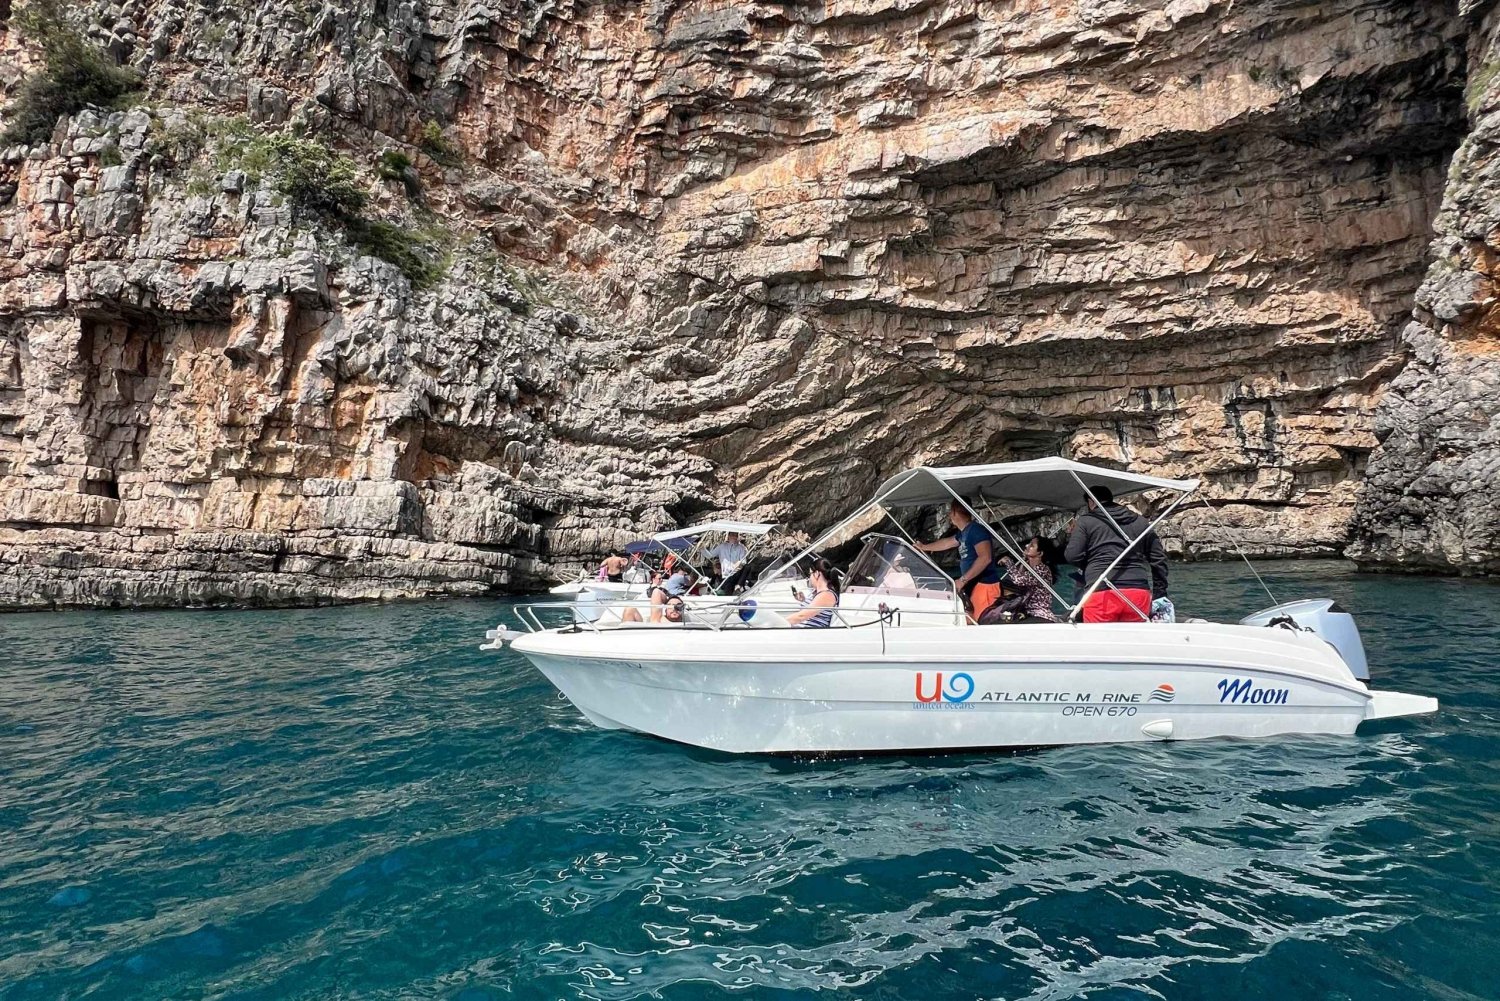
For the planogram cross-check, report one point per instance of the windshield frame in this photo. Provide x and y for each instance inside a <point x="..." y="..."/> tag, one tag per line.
<point x="870" y="541"/>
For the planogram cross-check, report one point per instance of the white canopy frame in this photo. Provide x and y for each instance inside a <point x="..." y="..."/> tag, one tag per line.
<point x="1129" y="545"/>
<point x="693" y="556"/>
<point x="1043" y="484"/>
<point x="757" y="528"/>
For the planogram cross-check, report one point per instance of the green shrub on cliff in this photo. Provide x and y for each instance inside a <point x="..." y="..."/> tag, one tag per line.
<point x="438" y="146"/>
<point x="417" y="257"/>
<point x="74" y="75"/>
<point x="395" y="165"/>
<point x="315" y="177"/>
<point x="318" y="179"/>
<point x="312" y="177"/>
<point x="1478" y="87"/>
<point x="177" y="142"/>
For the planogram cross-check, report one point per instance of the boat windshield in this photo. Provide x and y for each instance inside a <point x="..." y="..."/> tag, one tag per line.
<point x="888" y="565"/>
<point x="793" y="574"/>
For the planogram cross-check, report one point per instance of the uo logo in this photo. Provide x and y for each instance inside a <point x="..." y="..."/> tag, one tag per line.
<point x="960" y="686"/>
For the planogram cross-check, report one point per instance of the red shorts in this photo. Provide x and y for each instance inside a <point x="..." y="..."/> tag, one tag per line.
<point x="1109" y="605"/>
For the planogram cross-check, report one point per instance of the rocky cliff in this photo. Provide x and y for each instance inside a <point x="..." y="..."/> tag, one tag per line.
<point x="366" y="298"/>
<point x="1431" y="501"/>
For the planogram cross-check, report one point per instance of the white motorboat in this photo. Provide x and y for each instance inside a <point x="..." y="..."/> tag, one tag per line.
<point x="703" y="541"/>
<point x="590" y="586"/>
<point x="903" y="670"/>
<point x="692" y="545"/>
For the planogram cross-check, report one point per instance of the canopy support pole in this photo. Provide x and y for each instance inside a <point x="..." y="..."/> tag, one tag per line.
<point x="1129" y="545"/>
<point x="1020" y="557"/>
<point x="1239" y="549"/>
<point x="1010" y="550"/>
<point x="772" y="571"/>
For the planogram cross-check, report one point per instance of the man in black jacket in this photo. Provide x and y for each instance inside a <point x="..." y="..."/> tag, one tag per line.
<point x="1093" y="546"/>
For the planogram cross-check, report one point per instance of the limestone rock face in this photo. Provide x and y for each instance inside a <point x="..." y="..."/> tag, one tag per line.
<point x="704" y="257"/>
<point x="201" y="402"/>
<point x="1431" y="501"/>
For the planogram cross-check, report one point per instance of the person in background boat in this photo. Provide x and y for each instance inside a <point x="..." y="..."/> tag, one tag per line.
<point x="978" y="573"/>
<point x="613" y="567"/>
<point x="1033" y="577"/>
<point x="673" y="611"/>
<point x="816" y="611"/>
<point x="637" y="572"/>
<point x="674" y="586"/>
<point x="1093" y="545"/>
<point x="730" y="555"/>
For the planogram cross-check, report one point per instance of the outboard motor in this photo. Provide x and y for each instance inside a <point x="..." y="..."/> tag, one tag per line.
<point x="1326" y="618"/>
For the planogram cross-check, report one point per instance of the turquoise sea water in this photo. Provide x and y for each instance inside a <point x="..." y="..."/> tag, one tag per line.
<point x="357" y="803"/>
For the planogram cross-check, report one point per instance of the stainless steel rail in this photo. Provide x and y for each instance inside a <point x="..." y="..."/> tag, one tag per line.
<point x="715" y="617"/>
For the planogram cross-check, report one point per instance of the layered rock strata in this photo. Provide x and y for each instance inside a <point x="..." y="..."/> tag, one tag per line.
<point x="210" y="403"/>
<point x="796" y="247"/>
<point x="1431" y="500"/>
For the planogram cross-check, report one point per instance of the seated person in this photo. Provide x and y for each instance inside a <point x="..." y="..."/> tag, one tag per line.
<point x="675" y="586"/>
<point x="816" y="610"/>
<point x="1023" y="578"/>
<point x="674" y="610"/>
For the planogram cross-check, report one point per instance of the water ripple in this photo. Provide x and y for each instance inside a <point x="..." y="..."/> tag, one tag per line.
<point x="356" y="803"/>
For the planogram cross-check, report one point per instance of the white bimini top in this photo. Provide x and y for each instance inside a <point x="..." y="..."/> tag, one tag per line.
<point x="742" y="527"/>
<point x="1049" y="483"/>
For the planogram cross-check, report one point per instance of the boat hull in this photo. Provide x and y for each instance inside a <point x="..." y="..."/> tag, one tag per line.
<point x="601" y="589"/>
<point x="883" y="690"/>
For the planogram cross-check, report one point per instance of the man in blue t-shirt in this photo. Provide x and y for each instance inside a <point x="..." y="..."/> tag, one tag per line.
<point x="978" y="572"/>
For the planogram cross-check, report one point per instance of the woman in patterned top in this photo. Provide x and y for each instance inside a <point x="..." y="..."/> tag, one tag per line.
<point x="1041" y="561"/>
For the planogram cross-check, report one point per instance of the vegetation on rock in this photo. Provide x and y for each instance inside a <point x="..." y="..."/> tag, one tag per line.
<point x="410" y="251"/>
<point x="1479" y="87"/>
<point x="395" y="165"/>
<point x="314" y="178"/>
<point x="75" y="75"/>
<point x="438" y="146"/>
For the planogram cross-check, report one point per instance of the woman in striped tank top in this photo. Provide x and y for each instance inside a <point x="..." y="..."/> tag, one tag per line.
<point x="817" y="610"/>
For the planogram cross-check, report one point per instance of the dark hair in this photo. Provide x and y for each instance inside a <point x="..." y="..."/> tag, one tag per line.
<point x="1051" y="555"/>
<point x="1102" y="495"/>
<point x="825" y="568"/>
